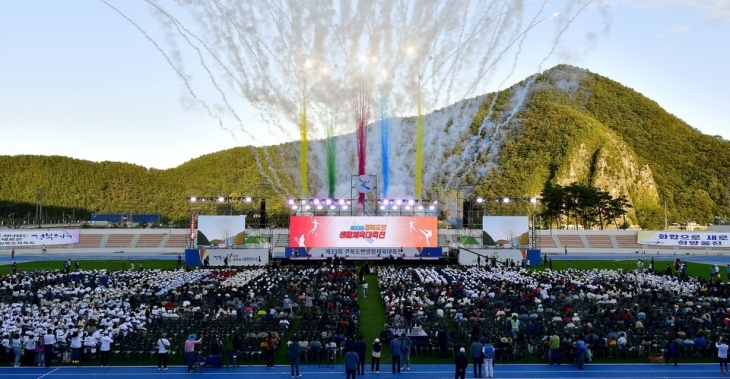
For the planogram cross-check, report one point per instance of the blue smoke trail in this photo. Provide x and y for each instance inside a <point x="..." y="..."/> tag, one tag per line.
<point x="384" y="142"/>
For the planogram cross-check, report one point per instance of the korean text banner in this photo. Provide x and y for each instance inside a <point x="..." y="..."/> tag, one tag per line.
<point x="39" y="238"/>
<point x="339" y="231"/>
<point x="683" y="238"/>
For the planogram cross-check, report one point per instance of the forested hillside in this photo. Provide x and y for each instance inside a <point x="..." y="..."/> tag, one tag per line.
<point x="569" y="126"/>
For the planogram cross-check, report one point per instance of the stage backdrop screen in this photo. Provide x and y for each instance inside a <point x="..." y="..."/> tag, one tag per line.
<point x="342" y="231"/>
<point x="506" y="231"/>
<point x="221" y="230"/>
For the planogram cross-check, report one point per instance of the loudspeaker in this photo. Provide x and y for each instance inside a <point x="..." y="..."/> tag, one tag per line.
<point x="262" y="213"/>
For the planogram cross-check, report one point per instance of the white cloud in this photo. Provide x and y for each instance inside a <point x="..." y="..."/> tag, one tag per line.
<point x="712" y="9"/>
<point x="675" y="31"/>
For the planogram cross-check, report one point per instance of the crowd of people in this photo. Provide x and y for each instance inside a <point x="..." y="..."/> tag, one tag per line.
<point x="78" y="315"/>
<point x="564" y="316"/>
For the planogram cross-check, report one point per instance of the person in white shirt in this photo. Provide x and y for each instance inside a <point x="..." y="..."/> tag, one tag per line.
<point x="722" y="356"/>
<point x="75" y="347"/>
<point x="49" y="339"/>
<point x="17" y="345"/>
<point x="105" y="348"/>
<point x="163" y="344"/>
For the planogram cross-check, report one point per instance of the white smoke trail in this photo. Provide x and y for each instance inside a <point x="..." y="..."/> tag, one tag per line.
<point x="179" y="73"/>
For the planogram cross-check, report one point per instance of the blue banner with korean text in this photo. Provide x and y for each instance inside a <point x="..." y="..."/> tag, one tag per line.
<point x="38" y="237"/>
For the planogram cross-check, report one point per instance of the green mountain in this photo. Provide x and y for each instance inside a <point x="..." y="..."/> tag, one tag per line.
<point x="561" y="126"/>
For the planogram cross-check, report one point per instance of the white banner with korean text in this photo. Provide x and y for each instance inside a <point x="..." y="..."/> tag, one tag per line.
<point x="39" y="237"/>
<point x="683" y="238"/>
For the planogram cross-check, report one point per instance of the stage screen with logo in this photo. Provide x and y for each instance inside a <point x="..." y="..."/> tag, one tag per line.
<point x="342" y="231"/>
<point x="221" y="231"/>
<point x="506" y="231"/>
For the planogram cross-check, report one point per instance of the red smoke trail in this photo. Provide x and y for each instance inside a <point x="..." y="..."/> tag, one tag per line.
<point x="361" y="107"/>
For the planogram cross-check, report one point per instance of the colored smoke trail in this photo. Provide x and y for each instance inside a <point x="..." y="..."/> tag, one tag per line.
<point x="304" y="147"/>
<point x="384" y="143"/>
<point x="420" y="123"/>
<point x="331" y="155"/>
<point x="362" y="137"/>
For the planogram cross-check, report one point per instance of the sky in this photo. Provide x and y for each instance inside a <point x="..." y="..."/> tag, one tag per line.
<point x="78" y="80"/>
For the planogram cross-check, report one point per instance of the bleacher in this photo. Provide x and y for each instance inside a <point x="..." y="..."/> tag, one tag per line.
<point x="599" y="241"/>
<point x="177" y="241"/>
<point x="546" y="241"/>
<point x="90" y="241"/>
<point x="116" y="241"/>
<point x="149" y="240"/>
<point x="627" y="242"/>
<point x="571" y="241"/>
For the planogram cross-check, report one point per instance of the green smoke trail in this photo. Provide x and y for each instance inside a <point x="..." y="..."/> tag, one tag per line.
<point x="331" y="154"/>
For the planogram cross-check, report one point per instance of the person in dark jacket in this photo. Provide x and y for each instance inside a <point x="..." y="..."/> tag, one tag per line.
<point x="461" y="363"/>
<point x="395" y="354"/>
<point x="360" y="348"/>
<point x="477" y="356"/>
<point x="443" y="340"/>
<point x="293" y="352"/>
<point x="672" y="351"/>
<point x="351" y="363"/>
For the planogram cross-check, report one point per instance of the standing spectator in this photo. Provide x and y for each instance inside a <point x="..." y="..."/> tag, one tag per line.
<point x="395" y="351"/>
<point x="488" y="351"/>
<point x="360" y="348"/>
<point x="580" y="351"/>
<point x="405" y="351"/>
<point x="477" y="356"/>
<point x="163" y="345"/>
<point x="351" y="363"/>
<point x="443" y="339"/>
<point x="365" y="289"/>
<point x="29" y="342"/>
<point x="190" y="350"/>
<point x="270" y="350"/>
<point x="375" y="362"/>
<point x="17" y="345"/>
<point x="75" y="347"/>
<point x="44" y="249"/>
<point x="722" y="355"/>
<point x="461" y="363"/>
<point x="105" y="348"/>
<point x="49" y="339"/>
<point x="672" y="351"/>
<point x="554" y="349"/>
<point x="179" y="261"/>
<point x="292" y="351"/>
<point x="15" y="268"/>
<point x="12" y="255"/>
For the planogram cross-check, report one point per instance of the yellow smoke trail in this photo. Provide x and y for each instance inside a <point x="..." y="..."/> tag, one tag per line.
<point x="304" y="147"/>
<point x="420" y="123"/>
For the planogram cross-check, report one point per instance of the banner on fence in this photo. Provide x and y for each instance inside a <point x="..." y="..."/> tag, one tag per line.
<point x="683" y="238"/>
<point x="234" y="257"/>
<point x="38" y="237"/>
<point x="362" y="232"/>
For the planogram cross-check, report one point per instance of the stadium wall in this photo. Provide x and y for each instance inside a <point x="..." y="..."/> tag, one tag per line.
<point x="549" y="241"/>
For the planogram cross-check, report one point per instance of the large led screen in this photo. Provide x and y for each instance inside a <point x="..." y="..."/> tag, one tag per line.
<point x="339" y="231"/>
